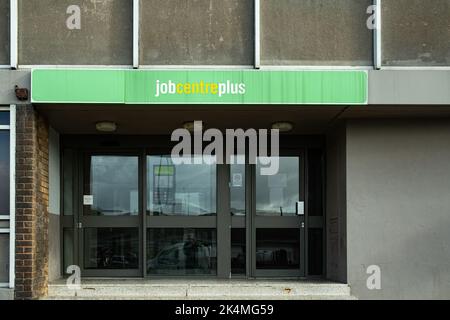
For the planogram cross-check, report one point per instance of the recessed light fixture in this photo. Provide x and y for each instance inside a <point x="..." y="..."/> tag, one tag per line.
<point x="283" y="126"/>
<point x="106" y="126"/>
<point x="189" y="126"/>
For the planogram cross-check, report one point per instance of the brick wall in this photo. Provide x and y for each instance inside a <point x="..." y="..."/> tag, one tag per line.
<point x="31" y="204"/>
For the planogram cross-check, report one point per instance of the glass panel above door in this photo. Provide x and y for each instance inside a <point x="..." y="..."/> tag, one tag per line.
<point x="277" y="195"/>
<point x="112" y="186"/>
<point x="180" y="189"/>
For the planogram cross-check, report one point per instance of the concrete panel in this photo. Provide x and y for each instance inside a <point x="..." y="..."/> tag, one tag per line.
<point x="336" y="268"/>
<point x="54" y="173"/>
<point x="398" y="190"/>
<point x="8" y="80"/>
<point x="4" y="32"/>
<point x="416" y="32"/>
<point x="196" y="32"/>
<point x="54" y="247"/>
<point x="6" y="294"/>
<point x="315" y="32"/>
<point x="54" y="234"/>
<point x="409" y="87"/>
<point x="105" y="37"/>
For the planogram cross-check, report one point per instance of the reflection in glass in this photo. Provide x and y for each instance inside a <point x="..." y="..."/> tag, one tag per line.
<point x="4" y="257"/>
<point x="178" y="251"/>
<point x="111" y="248"/>
<point x="4" y="172"/>
<point x="237" y="189"/>
<point x="277" y="248"/>
<point x="113" y="185"/>
<point x="4" y="118"/>
<point x="186" y="189"/>
<point x="277" y="195"/>
<point x="238" y="251"/>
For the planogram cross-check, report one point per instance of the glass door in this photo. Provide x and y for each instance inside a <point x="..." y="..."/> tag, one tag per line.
<point x="277" y="220"/>
<point x="109" y="221"/>
<point x="181" y="217"/>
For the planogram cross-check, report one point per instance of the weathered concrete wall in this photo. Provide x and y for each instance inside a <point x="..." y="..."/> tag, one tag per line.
<point x="54" y="234"/>
<point x="336" y="205"/>
<point x="416" y="32"/>
<point x="398" y="187"/>
<point x="315" y="32"/>
<point x="105" y="37"/>
<point x="4" y="32"/>
<point x="197" y="32"/>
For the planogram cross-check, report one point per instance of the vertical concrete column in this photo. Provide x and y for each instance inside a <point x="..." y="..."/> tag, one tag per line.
<point x="32" y="204"/>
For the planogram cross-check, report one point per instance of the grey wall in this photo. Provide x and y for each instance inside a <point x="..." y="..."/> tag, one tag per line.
<point x="398" y="187"/>
<point x="336" y="268"/>
<point x="416" y="32"/>
<point x="105" y="37"/>
<point x="197" y="32"/>
<point x="4" y="32"/>
<point x="54" y="271"/>
<point x="315" y="32"/>
<point x="410" y="87"/>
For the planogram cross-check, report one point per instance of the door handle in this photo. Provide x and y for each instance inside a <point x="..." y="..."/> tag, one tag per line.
<point x="79" y="225"/>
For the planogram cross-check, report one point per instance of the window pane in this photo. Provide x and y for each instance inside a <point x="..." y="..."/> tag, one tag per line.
<point x="4" y="257"/>
<point x="47" y="34"/>
<point x="238" y="251"/>
<point x="4" y="172"/>
<point x="237" y="189"/>
<point x="277" y="195"/>
<point x="315" y="32"/>
<point x="4" y="32"/>
<point x="111" y="248"/>
<point x="178" y="251"/>
<point x="4" y="118"/>
<point x="277" y="248"/>
<point x="416" y="32"/>
<point x="205" y="32"/>
<point x="186" y="189"/>
<point x="114" y="185"/>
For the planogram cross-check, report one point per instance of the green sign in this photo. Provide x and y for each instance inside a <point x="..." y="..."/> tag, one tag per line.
<point x="199" y="87"/>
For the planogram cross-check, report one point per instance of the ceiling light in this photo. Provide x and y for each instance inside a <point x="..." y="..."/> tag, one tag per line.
<point x="189" y="126"/>
<point x="283" y="126"/>
<point x="106" y="126"/>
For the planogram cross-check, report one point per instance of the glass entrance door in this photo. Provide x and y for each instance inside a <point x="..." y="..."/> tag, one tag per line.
<point x="268" y="220"/>
<point x="109" y="222"/>
<point x="278" y="211"/>
<point x="181" y="218"/>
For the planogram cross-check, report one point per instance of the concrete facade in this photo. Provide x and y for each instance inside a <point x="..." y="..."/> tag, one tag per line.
<point x="398" y="204"/>
<point x="104" y="36"/>
<point x="340" y="38"/>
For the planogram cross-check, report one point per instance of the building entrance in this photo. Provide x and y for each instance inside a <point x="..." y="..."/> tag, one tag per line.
<point x="136" y="213"/>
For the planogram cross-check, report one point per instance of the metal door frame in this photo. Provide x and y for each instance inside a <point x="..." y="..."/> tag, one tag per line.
<point x="84" y="221"/>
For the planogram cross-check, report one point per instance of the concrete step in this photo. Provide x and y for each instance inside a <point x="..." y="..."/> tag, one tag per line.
<point x="200" y="290"/>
